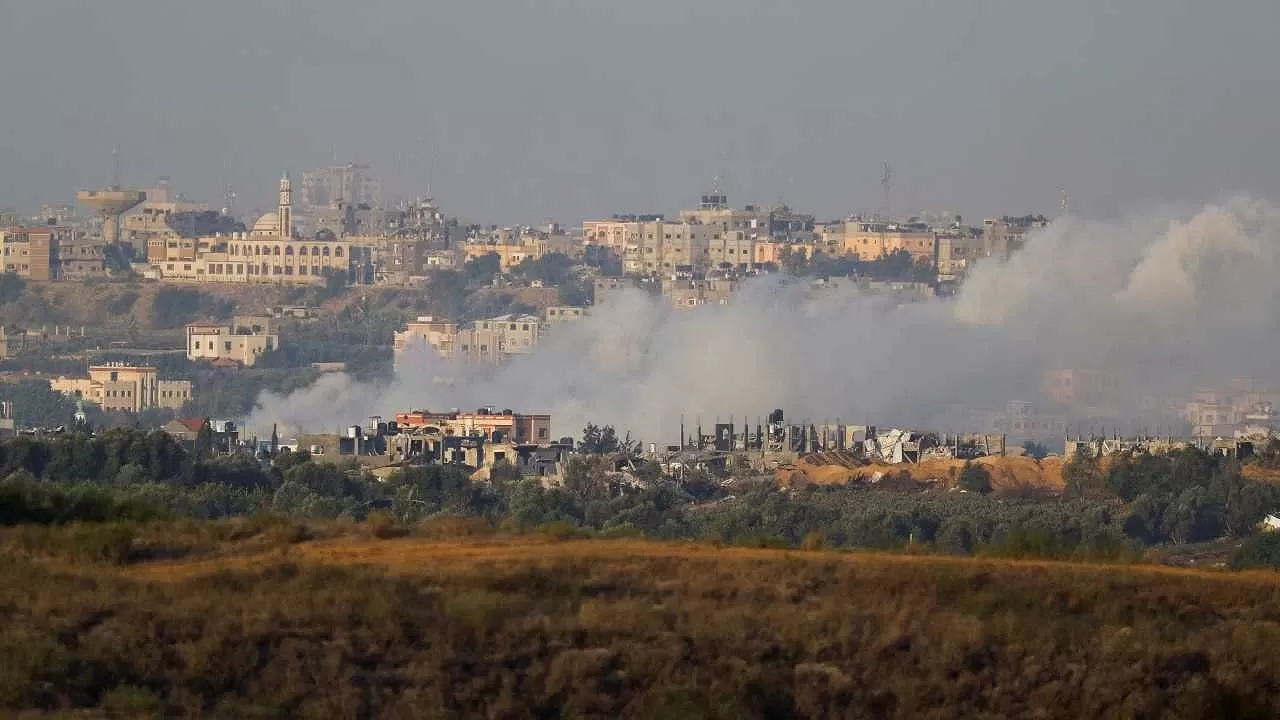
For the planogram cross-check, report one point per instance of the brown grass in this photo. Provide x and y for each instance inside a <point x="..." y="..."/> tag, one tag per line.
<point x="499" y="626"/>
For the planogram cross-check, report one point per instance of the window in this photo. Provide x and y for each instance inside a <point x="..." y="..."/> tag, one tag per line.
<point x="226" y="346"/>
<point x="288" y="251"/>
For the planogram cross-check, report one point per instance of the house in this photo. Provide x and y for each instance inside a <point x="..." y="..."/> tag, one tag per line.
<point x="242" y="344"/>
<point x="224" y="434"/>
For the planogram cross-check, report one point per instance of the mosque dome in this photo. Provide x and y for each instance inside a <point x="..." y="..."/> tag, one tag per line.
<point x="268" y="224"/>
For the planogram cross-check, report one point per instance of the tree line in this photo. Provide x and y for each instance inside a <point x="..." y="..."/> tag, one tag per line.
<point x="1108" y="510"/>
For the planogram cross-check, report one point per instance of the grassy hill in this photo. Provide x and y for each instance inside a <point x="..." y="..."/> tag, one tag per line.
<point x="265" y="618"/>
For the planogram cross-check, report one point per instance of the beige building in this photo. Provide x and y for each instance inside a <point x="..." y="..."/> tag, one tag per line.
<point x="491" y="340"/>
<point x="269" y="253"/>
<point x="216" y="341"/>
<point x="557" y="315"/>
<point x="439" y="335"/>
<point x="497" y="339"/>
<point x="873" y="240"/>
<point x="685" y="294"/>
<point x="32" y="252"/>
<point x="116" y="387"/>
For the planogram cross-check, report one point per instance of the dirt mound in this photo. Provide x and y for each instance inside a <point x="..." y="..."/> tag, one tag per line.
<point x="839" y="468"/>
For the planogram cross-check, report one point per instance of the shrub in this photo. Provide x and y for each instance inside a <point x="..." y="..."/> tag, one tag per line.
<point x="562" y="530"/>
<point x="382" y="526"/>
<point x="1259" y="551"/>
<point x="816" y="540"/>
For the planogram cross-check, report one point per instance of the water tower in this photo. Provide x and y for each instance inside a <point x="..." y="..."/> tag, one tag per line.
<point x="111" y="204"/>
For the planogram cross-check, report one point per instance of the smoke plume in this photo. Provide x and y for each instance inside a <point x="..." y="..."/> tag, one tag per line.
<point x="1165" y="303"/>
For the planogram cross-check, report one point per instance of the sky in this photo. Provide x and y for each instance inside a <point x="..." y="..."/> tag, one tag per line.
<point x="527" y="110"/>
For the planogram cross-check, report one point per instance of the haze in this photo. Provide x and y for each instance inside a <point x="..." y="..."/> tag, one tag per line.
<point x="518" y="111"/>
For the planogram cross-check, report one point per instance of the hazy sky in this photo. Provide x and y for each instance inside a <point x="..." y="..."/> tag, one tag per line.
<point x="573" y="108"/>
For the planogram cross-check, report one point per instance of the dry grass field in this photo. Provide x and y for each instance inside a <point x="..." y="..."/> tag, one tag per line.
<point x="278" y="620"/>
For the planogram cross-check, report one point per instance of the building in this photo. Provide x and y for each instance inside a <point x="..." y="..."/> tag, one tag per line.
<point x="352" y="184"/>
<point x="557" y="315"/>
<point x="218" y="341"/>
<point x="11" y="343"/>
<point x="1001" y="237"/>
<point x="81" y="259"/>
<point x="515" y="245"/>
<point x="497" y="426"/>
<point x="32" y="252"/>
<point x="1080" y="389"/>
<point x="871" y="240"/>
<point x="686" y="294"/>
<point x="9" y="218"/>
<point x="497" y="339"/>
<point x="269" y="253"/>
<point x="117" y="387"/>
<point x="224" y="435"/>
<point x="426" y="332"/>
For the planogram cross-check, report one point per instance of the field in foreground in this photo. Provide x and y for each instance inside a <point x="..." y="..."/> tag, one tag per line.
<point x="269" y="624"/>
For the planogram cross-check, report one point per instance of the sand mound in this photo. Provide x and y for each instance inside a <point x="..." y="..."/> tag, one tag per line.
<point x="1007" y="473"/>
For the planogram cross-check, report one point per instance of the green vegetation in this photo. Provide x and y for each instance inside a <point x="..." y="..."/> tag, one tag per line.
<point x="11" y="287"/>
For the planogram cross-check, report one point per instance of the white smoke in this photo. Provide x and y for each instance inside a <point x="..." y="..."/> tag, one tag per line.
<point x="1163" y="303"/>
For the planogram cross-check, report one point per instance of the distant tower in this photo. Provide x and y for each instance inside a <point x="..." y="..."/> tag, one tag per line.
<point x="286" y="207"/>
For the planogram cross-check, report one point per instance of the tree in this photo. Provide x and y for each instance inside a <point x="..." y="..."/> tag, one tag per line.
<point x="975" y="478"/>
<point x="599" y="440"/>
<point x="204" y="441"/>
<point x="1083" y="478"/>
<point x="11" y="287"/>
<point x="1035" y="449"/>
<point x="480" y="270"/>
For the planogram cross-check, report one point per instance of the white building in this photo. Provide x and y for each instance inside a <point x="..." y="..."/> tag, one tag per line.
<point x="215" y="341"/>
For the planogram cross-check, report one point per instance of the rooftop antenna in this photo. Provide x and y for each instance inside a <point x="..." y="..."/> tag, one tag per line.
<point x="1065" y="199"/>
<point x="115" y="173"/>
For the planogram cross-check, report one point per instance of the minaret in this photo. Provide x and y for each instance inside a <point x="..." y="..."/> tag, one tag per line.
<point x="286" y="207"/>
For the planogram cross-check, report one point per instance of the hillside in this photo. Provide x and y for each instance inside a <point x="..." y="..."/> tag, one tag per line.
<point x="251" y="619"/>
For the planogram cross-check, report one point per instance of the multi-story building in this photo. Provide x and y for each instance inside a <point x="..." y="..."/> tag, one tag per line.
<point x="353" y="184"/>
<point x="1080" y="389"/>
<point x="497" y="339"/>
<point x="81" y="259"/>
<point x="117" y="387"/>
<point x="9" y="218"/>
<point x="686" y="294"/>
<point x="871" y="240"/>
<point x="557" y="315"/>
<point x="32" y="252"/>
<point x="515" y="245"/>
<point x="218" y="341"/>
<point x="426" y="332"/>
<point x="1001" y="237"/>
<point x="270" y="253"/>
<point x="500" y="425"/>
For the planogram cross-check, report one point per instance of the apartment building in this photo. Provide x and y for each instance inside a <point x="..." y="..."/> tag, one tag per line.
<point x="117" y="387"/>
<point x="515" y="245"/>
<point x="497" y="339"/>
<point x="32" y="252"/>
<point x="871" y="240"/>
<point x="81" y="259"/>
<point x="218" y="341"/>
<point x="502" y="425"/>
<point x="426" y="332"/>
<point x="557" y="315"/>
<point x="1003" y="236"/>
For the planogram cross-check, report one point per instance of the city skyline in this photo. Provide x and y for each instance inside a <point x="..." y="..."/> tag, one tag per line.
<point x="541" y="111"/>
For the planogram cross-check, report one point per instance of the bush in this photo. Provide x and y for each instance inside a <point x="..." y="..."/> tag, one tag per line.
<point x="816" y="540"/>
<point x="382" y="526"/>
<point x="562" y="530"/>
<point x="1259" y="551"/>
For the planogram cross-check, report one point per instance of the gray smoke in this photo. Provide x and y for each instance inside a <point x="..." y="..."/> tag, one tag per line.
<point x="1166" y="303"/>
